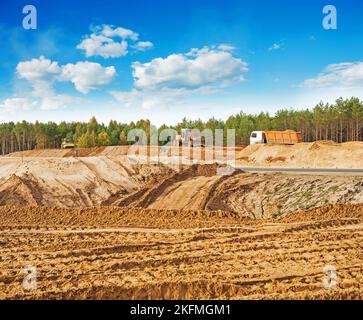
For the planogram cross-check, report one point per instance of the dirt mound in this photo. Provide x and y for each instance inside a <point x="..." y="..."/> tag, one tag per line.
<point x="106" y="180"/>
<point x="319" y="154"/>
<point x="186" y="180"/>
<point x="20" y="191"/>
<point x="73" y="182"/>
<point x="249" y="195"/>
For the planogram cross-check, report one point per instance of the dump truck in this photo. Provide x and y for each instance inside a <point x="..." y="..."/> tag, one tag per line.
<point x="287" y="137"/>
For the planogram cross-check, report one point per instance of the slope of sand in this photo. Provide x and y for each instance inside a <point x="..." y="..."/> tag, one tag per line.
<point x="251" y="195"/>
<point x="72" y="182"/>
<point x="95" y="181"/>
<point x="82" y="152"/>
<point x="321" y="154"/>
<point x="221" y="257"/>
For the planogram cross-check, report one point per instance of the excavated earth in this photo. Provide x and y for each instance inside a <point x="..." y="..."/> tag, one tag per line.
<point x="101" y="227"/>
<point x="130" y="253"/>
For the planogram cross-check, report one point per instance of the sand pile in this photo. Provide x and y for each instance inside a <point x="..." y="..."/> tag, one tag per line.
<point x="249" y="195"/>
<point x="72" y="182"/>
<point x="320" y="154"/>
<point x="114" y="181"/>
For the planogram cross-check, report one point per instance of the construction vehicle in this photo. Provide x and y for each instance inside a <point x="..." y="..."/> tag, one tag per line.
<point x="287" y="137"/>
<point x="67" y="145"/>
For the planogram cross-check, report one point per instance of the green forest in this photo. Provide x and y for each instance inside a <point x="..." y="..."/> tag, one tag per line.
<point x="340" y="122"/>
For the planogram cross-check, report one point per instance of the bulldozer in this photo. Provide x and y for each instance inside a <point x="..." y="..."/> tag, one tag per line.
<point x="67" y="145"/>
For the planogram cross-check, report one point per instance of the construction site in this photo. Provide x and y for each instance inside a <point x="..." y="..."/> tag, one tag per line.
<point x="97" y="224"/>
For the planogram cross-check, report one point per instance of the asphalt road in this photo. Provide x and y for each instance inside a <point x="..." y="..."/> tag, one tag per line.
<point x="303" y="170"/>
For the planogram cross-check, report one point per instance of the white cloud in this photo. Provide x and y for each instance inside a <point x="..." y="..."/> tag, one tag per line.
<point x="165" y="82"/>
<point x="275" y="46"/>
<point x="87" y="75"/>
<point x="57" y="101"/>
<point x="38" y="69"/>
<point x="111" y="42"/>
<point x="197" y="69"/>
<point x="346" y="74"/>
<point x="226" y="47"/>
<point x="123" y="33"/>
<point x="18" y="104"/>
<point x="143" y="45"/>
<point x="97" y="45"/>
<point x="42" y="73"/>
<point x="24" y="104"/>
<point x="150" y="99"/>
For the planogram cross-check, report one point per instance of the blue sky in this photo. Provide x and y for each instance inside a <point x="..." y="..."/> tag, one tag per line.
<point x="164" y="60"/>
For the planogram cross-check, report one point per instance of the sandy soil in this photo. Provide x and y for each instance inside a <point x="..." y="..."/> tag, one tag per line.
<point x="320" y="154"/>
<point x="222" y="257"/>
<point x="72" y="182"/>
<point x="100" y="227"/>
<point x="95" y="181"/>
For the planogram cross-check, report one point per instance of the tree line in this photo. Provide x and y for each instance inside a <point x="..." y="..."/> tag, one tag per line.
<point x="340" y="122"/>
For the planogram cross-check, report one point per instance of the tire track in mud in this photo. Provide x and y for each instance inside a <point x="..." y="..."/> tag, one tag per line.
<point x="253" y="260"/>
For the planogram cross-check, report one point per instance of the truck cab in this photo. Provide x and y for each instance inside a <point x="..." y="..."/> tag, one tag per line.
<point x="258" y="137"/>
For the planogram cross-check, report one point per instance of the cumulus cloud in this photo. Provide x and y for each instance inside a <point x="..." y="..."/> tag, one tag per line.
<point x="123" y="33"/>
<point x="193" y="70"/>
<point x="111" y="42"/>
<point x="346" y="74"/>
<point x="87" y="76"/>
<point x="38" y="69"/>
<point x="143" y="45"/>
<point x="42" y="73"/>
<point x="168" y="81"/>
<point x="97" y="45"/>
